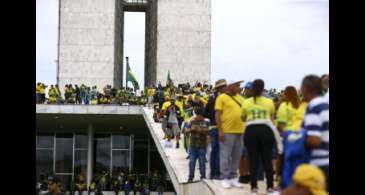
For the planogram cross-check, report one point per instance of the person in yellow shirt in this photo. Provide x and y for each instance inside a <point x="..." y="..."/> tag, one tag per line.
<point x="286" y="115"/>
<point x="258" y="112"/>
<point x="42" y="93"/>
<point x="38" y="92"/>
<point x="180" y="103"/>
<point x="52" y="95"/>
<point x="230" y="129"/>
<point x="150" y="93"/>
<point x="299" y="116"/>
<point x="164" y="107"/>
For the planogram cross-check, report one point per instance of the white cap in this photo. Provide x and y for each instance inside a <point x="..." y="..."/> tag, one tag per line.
<point x="233" y="81"/>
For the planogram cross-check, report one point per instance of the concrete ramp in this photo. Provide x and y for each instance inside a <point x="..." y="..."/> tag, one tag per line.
<point x="178" y="167"/>
<point x="175" y="161"/>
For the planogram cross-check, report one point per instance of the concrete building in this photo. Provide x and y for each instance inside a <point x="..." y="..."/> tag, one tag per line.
<point x="178" y="39"/>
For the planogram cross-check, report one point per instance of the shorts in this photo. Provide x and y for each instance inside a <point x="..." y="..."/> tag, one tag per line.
<point x="174" y="127"/>
<point x="164" y="123"/>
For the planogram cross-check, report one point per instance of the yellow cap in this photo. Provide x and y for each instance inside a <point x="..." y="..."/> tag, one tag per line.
<point x="312" y="178"/>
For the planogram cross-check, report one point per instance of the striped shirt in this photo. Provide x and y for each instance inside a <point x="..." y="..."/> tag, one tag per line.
<point x="316" y="122"/>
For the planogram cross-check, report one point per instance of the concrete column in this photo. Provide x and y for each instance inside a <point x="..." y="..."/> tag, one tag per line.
<point x="90" y="153"/>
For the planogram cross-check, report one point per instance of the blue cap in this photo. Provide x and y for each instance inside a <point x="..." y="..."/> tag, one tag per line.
<point x="249" y="85"/>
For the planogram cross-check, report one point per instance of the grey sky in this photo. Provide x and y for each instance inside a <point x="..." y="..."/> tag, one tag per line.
<point x="279" y="41"/>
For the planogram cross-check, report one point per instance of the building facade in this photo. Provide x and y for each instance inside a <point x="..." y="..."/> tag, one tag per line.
<point x="178" y="39"/>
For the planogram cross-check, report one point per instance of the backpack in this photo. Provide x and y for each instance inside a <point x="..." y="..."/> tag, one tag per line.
<point x="295" y="153"/>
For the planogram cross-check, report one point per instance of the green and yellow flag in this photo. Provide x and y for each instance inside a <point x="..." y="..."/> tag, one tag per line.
<point x="132" y="78"/>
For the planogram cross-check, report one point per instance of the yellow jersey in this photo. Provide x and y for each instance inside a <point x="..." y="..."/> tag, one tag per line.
<point x="151" y="92"/>
<point x="41" y="90"/>
<point x="230" y="116"/>
<point x="286" y="114"/>
<point x="299" y="116"/>
<point x="263" y="108"/>
<point x="180" y="105"/>
<point x="38" y="89"/>
<point x="165" y="105"/>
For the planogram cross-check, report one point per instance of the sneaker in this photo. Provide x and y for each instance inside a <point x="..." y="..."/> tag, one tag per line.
<point x="243" y="179"/>
<point x="202" y="178"/>
<point x="190" y="180"/>
<point x="235" y="183"/>
<point x="226" y="183"/>
<point x="254" y="191"/>
<point x="270" y="191"/>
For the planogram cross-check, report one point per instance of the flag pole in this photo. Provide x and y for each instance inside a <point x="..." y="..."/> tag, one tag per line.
<point x="126" y="72"/>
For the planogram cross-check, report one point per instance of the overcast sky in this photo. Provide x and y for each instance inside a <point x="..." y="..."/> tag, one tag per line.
<point x="279" y="41"/>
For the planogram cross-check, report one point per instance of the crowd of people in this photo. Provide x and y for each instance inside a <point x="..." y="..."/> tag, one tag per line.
<point x="246" y="132"/>
<point x="126" y="182"/>
<point x="242" y="130"/>
<point x="74" y="94"/>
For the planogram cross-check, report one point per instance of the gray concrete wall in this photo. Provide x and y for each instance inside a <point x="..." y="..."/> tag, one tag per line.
<point x="87" y="42"/>
<point x="183" y="40"/>
<point x="151" y="43"/>
<point x="118" y="44"/>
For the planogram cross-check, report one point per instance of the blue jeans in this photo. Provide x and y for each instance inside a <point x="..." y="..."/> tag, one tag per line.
<point x="194" y="154"/>
<point x="214" y="155"/>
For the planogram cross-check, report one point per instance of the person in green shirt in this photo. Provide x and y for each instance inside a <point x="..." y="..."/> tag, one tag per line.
<point x="258" y="112"/>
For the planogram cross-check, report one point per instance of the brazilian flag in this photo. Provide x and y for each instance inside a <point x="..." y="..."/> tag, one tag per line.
<point x="132" y="78"/>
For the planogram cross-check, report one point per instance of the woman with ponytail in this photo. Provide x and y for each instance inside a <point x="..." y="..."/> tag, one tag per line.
<point x="260" y="135"/>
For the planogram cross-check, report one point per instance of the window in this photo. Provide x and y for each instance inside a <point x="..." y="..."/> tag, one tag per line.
<point x="80" y="152"/>
<point x="64" y="155"/>
<point x="45" y="141"/>
<point x="44" y="160"/>
<point x="80" y="164"/>
<point x="44" y="154"/>
<point x="81" y="141"/>
<point x="120" y="160"/>
<point x="102" y="155"/>
<point x="120" y="142"/>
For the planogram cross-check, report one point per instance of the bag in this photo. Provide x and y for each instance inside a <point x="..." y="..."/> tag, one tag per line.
<point x="295" y="153"/>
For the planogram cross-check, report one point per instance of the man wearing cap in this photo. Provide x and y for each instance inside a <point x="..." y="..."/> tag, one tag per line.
<point x="230" y="128"/>
<point x="174" y="120"/>
<point x="54" y="184"/>
<point x="243" y="166"/>
<point x="164" y="107"/>
<point x="220" y="87"/>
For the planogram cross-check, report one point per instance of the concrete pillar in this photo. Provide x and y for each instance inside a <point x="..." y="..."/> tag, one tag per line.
<point x="90" y="153"/>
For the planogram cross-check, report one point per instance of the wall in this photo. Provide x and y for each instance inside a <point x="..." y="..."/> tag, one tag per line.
<point x="118" y="44"/>
<point x="183" y="40"/>
<point x="87" y="42"/>
<point x="151" y="44"/>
